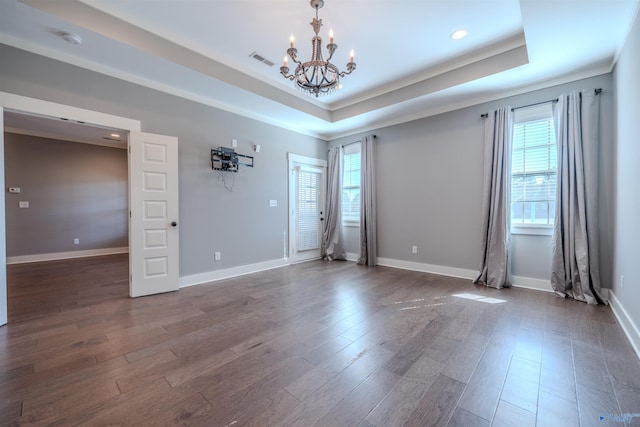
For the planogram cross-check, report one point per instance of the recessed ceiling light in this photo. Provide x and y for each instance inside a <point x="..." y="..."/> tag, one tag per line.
<point x="459" y="34"/>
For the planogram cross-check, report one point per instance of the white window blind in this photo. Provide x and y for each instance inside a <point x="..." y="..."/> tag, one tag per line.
<point x="351" y="185"/>
<point x="534" y="168"/>
<point x="308" y="210"/>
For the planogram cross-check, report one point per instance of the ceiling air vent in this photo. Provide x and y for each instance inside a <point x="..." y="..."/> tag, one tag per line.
<point x="261" y="58"/>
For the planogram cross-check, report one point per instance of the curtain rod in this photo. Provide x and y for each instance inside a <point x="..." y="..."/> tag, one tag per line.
<point x="485" y="115"/>
<point x="355" y="142"/>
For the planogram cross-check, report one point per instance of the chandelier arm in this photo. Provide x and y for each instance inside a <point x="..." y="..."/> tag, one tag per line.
<point x="284" y="74"/>
<point x="331" y="48"/>
<point x="293" y="54"/>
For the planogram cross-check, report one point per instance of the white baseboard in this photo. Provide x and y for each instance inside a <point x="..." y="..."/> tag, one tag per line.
<point x="352" y="256"/>
<point x="628" y="326"/>
<point x="428" y="268"/>
<point x="531" y="283"/>
<point x="518" y="281"/>
<point x="227" y="273"/>
<point x="23" y="259"/>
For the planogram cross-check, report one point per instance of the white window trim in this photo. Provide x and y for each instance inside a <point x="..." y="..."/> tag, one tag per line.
<point x="351" y="149"/>
<point x="534" y="112"/>
<point x="532" y="229"/>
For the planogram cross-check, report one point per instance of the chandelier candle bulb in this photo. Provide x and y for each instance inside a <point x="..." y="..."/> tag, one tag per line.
<point x="351" y="55"/>
<point x="331" y="36"/>
<point x="291" y="40"/>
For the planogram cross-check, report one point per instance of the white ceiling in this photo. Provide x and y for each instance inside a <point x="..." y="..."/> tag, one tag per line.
<point x="407" y="65"/>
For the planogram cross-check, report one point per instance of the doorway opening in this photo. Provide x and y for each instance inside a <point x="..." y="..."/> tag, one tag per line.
<point x="66" y="201"/>
<point x="307" y="184"/>
<point x="152" y="196"/>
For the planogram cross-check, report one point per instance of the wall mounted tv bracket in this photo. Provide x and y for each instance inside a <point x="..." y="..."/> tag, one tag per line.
<point x="226" y="159"/>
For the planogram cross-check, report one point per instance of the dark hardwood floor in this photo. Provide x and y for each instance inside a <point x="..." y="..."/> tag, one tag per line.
<point x="319" y="343"/>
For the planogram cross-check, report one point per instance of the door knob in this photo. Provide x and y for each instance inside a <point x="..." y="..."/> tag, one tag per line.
<point x="173" y="223"/>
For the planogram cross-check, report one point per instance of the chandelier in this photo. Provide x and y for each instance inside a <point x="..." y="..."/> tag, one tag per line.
<point x="317" y="75"/>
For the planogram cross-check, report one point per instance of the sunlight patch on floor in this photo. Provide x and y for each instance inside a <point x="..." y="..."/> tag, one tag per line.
<point x="480" y="298"/>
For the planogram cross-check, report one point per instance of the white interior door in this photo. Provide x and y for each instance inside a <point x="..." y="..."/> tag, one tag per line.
<point x="153" y="224"/>
<point x="307" y="184"/>
<point x="3" y="246"/>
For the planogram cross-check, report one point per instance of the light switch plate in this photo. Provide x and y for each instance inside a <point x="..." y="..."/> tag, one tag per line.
<point x="14" y="190"/>
<point x="273" y="203"/>
<point x="24" y="204"/>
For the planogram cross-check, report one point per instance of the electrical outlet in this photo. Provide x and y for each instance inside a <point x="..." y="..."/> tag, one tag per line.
<point x="234" y="143"/>
<point x="23" y="204"/>
<point x="216" y="256"/>
<point x="414" y="249"/>
<point x="76" y="241"/>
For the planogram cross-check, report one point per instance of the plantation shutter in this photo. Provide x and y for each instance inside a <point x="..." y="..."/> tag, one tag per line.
<point x="308" y="210"/>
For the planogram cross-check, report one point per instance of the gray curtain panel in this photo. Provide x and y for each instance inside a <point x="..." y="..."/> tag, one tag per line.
<point x="368" y="231"/>
<point x="332" y="243"/>
<point x="495" y="269"/>
<point x="574" y="265"/>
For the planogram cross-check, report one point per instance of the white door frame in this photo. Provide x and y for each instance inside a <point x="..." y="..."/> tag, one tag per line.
<point x="23" y="104"/>
<point x="294" y="159"/>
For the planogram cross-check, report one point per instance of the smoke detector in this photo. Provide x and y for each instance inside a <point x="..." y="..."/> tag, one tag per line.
<point x="73" y="39"/>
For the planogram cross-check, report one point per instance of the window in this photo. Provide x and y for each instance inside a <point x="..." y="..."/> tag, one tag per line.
<point x="351" y="185"/>
<point x="534" y="168"/>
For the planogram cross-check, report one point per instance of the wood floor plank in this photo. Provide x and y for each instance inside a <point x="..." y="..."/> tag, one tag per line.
<point x="34" y="411"/>
<point x="398" y="405"/>
<point x="319" y="403"/>
<point x="276" y="407"/>
<point x="629" y="401"/>
<point x="508" y="415"/>
<point x="233" y="405"/>
<point x="10" y="411"/>
<point x="237" y="374"/>
<point x="438" y="403"/>
<point x="401" y="362"/>
<point x="191" y="410"/>
<point x="351" y="410"/>
<point x="483" y="390"/>
<point x="200" y="367"/>
<point x="331" y="367"/>
<point x="52" y="383"/>
<point x="557" y="372"/>
<point x="463" y="363"/>
<point x="318" y="343"/>
<point x="522" y="384"/>
<point x="556" y="411"/>
<point x="592" y="403"/>
<point x="590" y="367"/>
<point x="462" y="418"/>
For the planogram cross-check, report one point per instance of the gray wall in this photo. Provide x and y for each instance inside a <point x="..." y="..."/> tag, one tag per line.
<point x="429" y="172"/>
<point x="74" y="190"/>
<point x="627" y="201"/>
<point x="239" y="224"/>
<point x="429" y="178"/>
